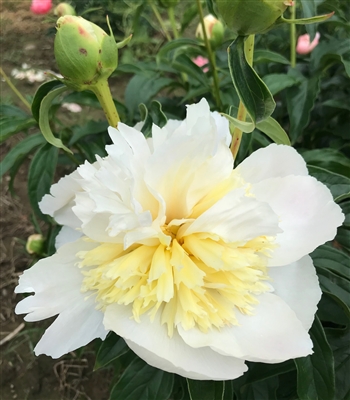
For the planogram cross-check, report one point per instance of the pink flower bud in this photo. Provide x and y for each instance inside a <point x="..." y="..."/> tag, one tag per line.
<point x="41" y="6"/>
<point x="304" y="46"/>
<point x="200" y="61"/>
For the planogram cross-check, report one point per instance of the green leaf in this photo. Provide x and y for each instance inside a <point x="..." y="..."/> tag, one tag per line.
<point x="274" y="131"/>
<point x="184" y="64"/>
<point x="42" y="91"/>
<point x="265" y="389"/>
<point x="345" y="206"/>
<point x="343" y="238"/>
<point x="206" y="390"/>
<point x="339" y="185"/>
<point x="191" y="11"/>
<point x="175" y="44"/>
<point x="300" y="101"/>
<point x="153" y="115"/>
<point x="90" y="128"/>
<point x="111" y="348"/>
<point x="334" y="284"/>
<point x="316" y="380"/>
<point x="142" y="382"/>
<point x="263" y="56"/>
<point x="278" y="82"/>
<point x="330" y="258"/>
<point x="20" y="151"/>
<point x="306" y="21"/>
<point x="329" y="159"/>
<point x="141" y="89"/>
<point x="10" y="126"/>
<point x="7" y="110"/>
<point x="244" y="126"/>
<point x="44" y="122"/>
<point x="309" y="10"/>
<point x="41" y="174"/>
<point x="252" y="91"/>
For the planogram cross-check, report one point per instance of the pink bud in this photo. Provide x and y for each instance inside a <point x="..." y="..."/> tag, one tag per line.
<point x="41" y="6"/>
<point x="200" y="61"/>
<point x="304" y="46"/>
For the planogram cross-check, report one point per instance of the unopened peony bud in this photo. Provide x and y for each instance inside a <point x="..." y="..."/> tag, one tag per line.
<point x="214" y="30"/>
<point x="35" y="244"/>
<point x="41" y="6"/>
<point x="64" y="9"/>
<point x="304" y="46"/>
<point x="84" y="52"/>
<point x="253" y="16"/>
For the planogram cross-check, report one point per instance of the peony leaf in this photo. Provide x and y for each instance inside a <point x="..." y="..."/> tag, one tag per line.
<point x="244" y="126"/>
<point x="41" y="174"/>
<point x="141" y="381"/>
<point x="278" y="82"/>
<point x="20" y="151"/>
<point x="330" y="258"/>
<point x="300" y="101"/>
<point x="111" y="348"/>
<point x="12" y="125"/>
<point x="252" y="91"/>
<point x="175" y="44"/>
<point x="309" y="9"/>
<point x="265" y="56"/>
<point x="306" y="21"/>
<point x="44" y="122"/>
<point x="274" y="131"/>
<point x="316" y="380"/>
<point x="42" y="91"/>
<point x="206" y="390"/>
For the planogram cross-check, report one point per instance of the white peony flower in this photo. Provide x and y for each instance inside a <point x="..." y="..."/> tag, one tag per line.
<point x="197" y="265"/>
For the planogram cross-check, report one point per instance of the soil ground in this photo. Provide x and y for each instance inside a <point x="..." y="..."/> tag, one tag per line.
<point x="24" y="39"/>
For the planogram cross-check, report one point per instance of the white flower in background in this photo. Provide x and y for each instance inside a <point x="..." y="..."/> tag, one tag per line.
<point x="72" y="107"/>
<point x="196" y="265"/>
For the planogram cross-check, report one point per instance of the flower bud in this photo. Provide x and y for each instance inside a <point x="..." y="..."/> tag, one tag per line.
<point x="253" y="16"/>
<point x="41" y="6"/>
<point x="304" y="45"/>
<point x="35" y="244"/>
<point x="84" y="52"/>
<point x="214" y="30"/>
<point x="64" y="9"/>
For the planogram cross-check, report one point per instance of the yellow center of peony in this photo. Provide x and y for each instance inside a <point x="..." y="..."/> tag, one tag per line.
<point x="197" y="280"/>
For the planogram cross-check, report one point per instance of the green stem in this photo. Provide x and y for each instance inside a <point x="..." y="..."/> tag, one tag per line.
<point x="211" y="56"/>
<point x="242" y="112"/>
<point x="103" y="94"/>
<point x="293" y="37"/>
<point x="15" y="90"/>
<point x="173" y="22"/>
<point x="70" y="156"/>
<point x="160" y="20"/>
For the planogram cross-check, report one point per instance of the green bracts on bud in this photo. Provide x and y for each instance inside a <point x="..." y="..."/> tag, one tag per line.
<point x="84" y="52"/>
<point x="249" y="17"/>
<point x="64" y="9"/>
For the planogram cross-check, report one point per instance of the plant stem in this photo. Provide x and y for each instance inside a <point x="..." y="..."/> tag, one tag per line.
<point x="103" y="94"/>
<point x="15" y="90"/>
<point x="173" y="22"/>
<point x="160" y="20"/>
<point x="211" y="56"/>
<point x="293" y="37"/>
<point x="242" y="112"/>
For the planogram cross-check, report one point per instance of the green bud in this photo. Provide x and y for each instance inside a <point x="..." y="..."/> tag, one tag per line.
<point x="251" y="17"/>
<point x="64" y="9"/>
<point x="35" y="244"/>
<point x="214" y="30"/>
<point x="84" y="52"/>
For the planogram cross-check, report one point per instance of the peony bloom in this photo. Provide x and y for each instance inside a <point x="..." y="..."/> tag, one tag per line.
<point x="304" y="46"/>
<point x="41" y="6"/>
<point x="200" y="62"/>
<point x="197" y="265"/>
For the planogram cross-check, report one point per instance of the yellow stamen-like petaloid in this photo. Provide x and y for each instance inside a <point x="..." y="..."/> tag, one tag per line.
<point x="198" y="280"/>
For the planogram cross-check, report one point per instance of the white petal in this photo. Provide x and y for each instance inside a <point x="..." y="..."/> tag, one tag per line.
<point x="66" y="235"/>
<point x="151" y="342"/>
<point x="273" y="334"/>
<point x="237" y="218"/>
<point x="272" y="161"/>
<point x="308" y="215"/>
<point x="297" y="284"/>
<point x="58" y="204"/>
<point x="56" y="282"/>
